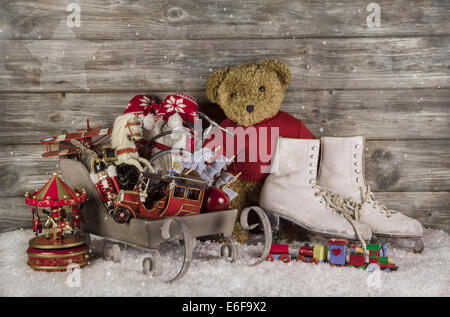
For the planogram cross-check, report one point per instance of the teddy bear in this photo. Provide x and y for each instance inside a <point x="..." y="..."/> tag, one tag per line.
<point x="250" y="95"/>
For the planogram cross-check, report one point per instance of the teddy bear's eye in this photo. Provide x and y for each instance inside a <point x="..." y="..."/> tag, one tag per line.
<point x="262" y="88"/>
<point x="232" y="95"/>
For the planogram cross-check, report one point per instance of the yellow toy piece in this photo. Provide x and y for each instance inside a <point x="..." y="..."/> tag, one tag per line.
<point x="320" y="252"/>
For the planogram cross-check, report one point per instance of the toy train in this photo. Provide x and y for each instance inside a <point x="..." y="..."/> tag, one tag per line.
<point x="338" y="253"/>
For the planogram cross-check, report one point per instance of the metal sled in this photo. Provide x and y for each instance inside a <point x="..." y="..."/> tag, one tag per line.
<point x="149" y="234"/>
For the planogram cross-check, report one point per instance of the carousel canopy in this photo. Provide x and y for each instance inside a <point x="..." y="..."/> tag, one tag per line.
<point x="55" y="193"/>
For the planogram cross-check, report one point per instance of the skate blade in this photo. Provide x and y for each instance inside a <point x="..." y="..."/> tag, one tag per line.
<point x="273" y="214"/>
<point x="411" y="243"/>
<point x="382" y="235"/>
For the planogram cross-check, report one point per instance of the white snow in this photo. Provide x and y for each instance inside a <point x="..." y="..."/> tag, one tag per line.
<point x="425" y="274"/>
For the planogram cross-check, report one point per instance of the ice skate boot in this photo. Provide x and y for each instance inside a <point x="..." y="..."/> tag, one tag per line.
<point x="342" y="171"/>
<point x="290" y="192"/>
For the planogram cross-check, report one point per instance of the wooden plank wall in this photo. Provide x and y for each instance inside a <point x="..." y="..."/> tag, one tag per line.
<point x="391" y="84"/>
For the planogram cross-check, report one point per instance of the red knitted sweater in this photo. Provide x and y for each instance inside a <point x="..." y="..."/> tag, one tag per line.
<point x="256" y="147"/>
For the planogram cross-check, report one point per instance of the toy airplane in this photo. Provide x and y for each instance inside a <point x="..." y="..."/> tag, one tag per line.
<point x="73" y="143"/>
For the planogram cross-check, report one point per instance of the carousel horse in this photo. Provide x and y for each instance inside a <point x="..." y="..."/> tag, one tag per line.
<point x="127" y="130"/>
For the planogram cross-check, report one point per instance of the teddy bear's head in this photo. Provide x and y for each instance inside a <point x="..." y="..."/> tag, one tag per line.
<point x="249" y="93"/>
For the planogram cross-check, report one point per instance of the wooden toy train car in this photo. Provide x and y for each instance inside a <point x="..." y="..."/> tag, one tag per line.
<point x="339" y="253"/>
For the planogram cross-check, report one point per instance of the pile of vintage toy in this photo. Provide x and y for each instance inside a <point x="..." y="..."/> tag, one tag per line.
<point x="146" y="166"/>
<point x="152" y="177"/>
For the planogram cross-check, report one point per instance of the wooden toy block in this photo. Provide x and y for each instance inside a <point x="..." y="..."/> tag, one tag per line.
<point x="320" y="252"/>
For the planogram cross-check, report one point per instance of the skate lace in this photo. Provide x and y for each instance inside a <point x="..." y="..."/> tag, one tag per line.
<point x="369" y="197"/>
<point x="347" y="207"/>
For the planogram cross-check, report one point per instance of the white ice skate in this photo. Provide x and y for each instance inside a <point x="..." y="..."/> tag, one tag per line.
<point x="342" y="171"/>
<point x="290" y="192"/>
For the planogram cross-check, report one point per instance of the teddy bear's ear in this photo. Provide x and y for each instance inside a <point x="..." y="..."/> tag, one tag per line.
<point x="214" y="82"/>
<point x="280" y="69"/>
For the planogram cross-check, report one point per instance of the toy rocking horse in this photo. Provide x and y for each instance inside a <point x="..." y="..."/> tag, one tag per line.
<point x="126" y="131"/>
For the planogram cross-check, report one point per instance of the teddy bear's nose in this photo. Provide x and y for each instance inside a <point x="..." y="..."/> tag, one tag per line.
<point x="250" y="108"/>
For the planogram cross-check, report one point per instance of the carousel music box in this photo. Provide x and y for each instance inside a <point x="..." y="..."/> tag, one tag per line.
<point x="60" y="246"/>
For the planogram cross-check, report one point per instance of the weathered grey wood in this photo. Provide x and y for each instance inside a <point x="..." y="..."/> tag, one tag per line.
<point x="408" y="114"/>
<point x="205" y="19"/>
<point x="408" y="165"/>
<point x="390" y="166"/>
<point x="316" y="64"/>
<point x="34" y="116"/>
<point x="432" y="209"/>
<point x="376" y="114"/>
<point x="391" y="84"/>
<point x="23" y="169"/>
<point x="14" y="214"/>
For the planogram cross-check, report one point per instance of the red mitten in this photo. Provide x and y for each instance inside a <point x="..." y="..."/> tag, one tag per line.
<point x="183" y="104"/>
<point x="141" y="105"/>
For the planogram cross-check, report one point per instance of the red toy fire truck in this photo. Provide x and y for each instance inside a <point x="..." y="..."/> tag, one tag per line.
<point x="159" y="196"/>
